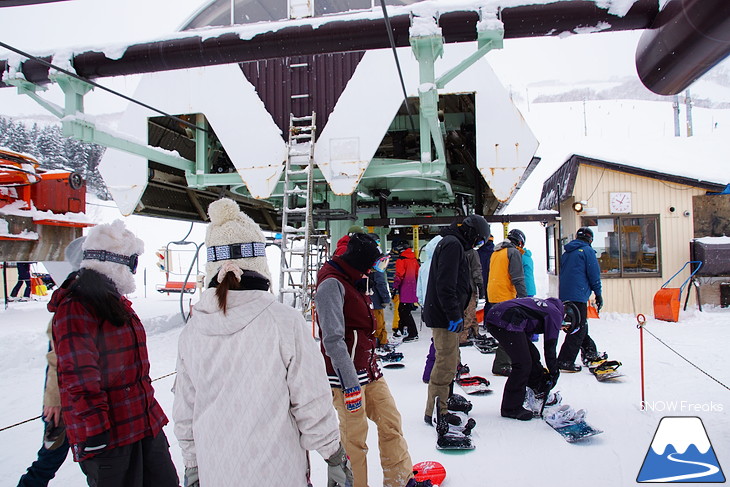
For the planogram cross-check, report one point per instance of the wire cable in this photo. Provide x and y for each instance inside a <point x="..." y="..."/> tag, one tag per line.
<point x="102" y="87"/>
<point x="683" y="358"/>
<point x="397" y="63"/>
<point x="39" y="416"/>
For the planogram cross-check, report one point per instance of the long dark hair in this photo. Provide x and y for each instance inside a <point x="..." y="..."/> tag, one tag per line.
<point x="99" y="293"/>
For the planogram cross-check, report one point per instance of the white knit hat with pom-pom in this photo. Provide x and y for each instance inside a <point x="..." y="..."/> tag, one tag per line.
<point x="113" y="238"/>
<point x="232" y="236"/>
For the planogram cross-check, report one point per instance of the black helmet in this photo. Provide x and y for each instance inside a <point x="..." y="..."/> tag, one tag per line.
<point x="571" y="317"/>
<point x="479" y="224"/>
<point x="400" y="245"/>
<point x="517" y="237"/>
<point x="585" y="233"/>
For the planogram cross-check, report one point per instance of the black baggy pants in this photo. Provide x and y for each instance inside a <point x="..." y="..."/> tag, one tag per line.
<point x="526" y="367"/>
<point x="579" y="340"/>
<point x="146" y="463"/>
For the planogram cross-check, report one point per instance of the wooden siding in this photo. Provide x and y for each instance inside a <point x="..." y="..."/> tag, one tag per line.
<point x="649" y="197"/>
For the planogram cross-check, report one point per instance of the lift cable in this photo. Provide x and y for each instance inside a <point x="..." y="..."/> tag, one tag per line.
<point x="102" y="87"/>
<point x="397" y="63"/>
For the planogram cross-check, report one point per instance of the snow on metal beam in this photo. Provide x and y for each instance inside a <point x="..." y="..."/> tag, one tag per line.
<point x="232" y="107"/>
<point x="342" y="33"/>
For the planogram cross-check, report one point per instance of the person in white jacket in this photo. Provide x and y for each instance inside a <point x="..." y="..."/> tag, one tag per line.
<point x="251" y="393"/>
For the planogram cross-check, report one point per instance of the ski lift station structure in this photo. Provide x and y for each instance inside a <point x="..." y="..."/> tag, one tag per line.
<point x="299" y="110"/>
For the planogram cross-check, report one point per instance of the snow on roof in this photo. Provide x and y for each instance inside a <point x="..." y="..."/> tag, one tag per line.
<point x="713" y="240"/>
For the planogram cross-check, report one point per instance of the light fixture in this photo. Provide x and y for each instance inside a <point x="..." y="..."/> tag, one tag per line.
<point x="579" y="206"/>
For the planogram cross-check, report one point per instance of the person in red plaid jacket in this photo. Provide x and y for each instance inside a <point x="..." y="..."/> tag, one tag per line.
<point x="113" y="422"/>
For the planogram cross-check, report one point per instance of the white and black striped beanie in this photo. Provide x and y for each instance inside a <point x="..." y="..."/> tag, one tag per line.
<point x="233" y="236"/>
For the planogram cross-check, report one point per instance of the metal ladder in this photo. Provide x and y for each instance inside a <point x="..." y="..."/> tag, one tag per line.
<point x="301" y="247"/>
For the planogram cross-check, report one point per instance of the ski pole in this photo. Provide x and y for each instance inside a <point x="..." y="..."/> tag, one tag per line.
<point x="641" y="320"/>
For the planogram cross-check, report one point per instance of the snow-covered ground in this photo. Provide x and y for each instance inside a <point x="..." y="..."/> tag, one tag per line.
<point x="508" y="452"/>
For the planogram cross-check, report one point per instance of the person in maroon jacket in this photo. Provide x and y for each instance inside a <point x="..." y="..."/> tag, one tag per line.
<point x="359" y="390"/>
<point x="113" y="422"/>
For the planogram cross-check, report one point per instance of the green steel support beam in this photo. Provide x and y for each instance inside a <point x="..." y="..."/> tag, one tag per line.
<point x="199" y="178"/>
<point x="486" y="41"/>
<point x="75" y="125"/>
<point x="27" y="88"/>
<point x="427" y="50"/>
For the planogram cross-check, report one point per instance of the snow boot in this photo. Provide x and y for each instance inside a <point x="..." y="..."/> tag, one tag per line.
<point x="568" y="367"/>
<point x="522" y="414"/>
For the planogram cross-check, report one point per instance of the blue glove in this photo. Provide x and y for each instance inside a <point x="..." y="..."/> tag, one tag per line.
<point x="456" y="326"/>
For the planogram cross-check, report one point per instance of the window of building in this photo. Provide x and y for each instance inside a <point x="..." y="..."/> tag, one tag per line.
<point x="552" y="242"/>
<point x="626" y="246"/>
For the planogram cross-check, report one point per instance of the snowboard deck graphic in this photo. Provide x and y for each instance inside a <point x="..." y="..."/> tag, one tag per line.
<point x="576" y="432"/>
<point x="474" y="385"/>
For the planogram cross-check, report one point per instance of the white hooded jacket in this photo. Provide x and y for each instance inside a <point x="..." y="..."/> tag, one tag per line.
<point x="251" y="393"/>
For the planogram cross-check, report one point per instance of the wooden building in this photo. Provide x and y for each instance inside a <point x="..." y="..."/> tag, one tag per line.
<point x="643" y="221"/>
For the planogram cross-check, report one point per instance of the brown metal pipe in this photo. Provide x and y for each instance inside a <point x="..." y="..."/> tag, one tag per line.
<point x="687" y="39"/>
<point x="338" y="36"/>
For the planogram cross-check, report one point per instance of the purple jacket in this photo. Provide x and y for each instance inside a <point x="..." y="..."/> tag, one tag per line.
<point x="530" y="316"/>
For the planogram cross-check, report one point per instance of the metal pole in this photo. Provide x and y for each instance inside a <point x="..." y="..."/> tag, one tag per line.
<point x="641" y="321"/>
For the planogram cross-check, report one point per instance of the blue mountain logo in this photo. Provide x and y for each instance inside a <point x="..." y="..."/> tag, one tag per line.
<point x="681" y="452"/>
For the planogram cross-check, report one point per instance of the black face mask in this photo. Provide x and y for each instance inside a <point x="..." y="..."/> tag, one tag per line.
<point x="362" y="284"/>
<point x="470" y="235"/>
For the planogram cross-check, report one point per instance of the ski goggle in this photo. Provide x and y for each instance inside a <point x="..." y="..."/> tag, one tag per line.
<point x="381" y="263"/>
<point x="130" y="261"/>
<point x="478" y="244"/>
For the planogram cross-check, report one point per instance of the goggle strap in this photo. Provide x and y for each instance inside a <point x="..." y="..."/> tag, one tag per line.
<point x="236" y="251"/>
<point x="105" y="256"/>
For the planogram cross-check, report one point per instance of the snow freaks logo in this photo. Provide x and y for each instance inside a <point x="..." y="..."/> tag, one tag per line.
<point x="680" y="452"/>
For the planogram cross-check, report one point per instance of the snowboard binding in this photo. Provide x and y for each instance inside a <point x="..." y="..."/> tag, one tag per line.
<point x="457" y="402"/>
<point x="391" y="357"/>
<point x="450" y="438"/>
<point x="606" y="370"/>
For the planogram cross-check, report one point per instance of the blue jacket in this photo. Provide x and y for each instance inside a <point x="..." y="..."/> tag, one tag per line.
<point x="529" y="267"/>
<point x="579" y="272"/>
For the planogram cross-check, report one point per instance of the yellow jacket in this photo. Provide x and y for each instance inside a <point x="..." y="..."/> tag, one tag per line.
<point x="506" y="275"/>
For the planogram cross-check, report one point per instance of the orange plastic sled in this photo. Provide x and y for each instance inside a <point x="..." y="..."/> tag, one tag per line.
<point x="668" y="299"/>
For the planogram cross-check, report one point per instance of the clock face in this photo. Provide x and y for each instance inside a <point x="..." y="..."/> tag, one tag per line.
<point x="620" y="202"/>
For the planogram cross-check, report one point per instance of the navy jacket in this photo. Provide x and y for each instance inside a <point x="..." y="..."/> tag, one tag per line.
<point x="379" y="287"/>
<point x="579" y="272"/>
<point x="449" y="281"/>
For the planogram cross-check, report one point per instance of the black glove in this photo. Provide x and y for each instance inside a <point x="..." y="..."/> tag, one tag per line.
<point x="554" y="376"/>
<point x="599" y="302"/>
<point x="95" y="444"/>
